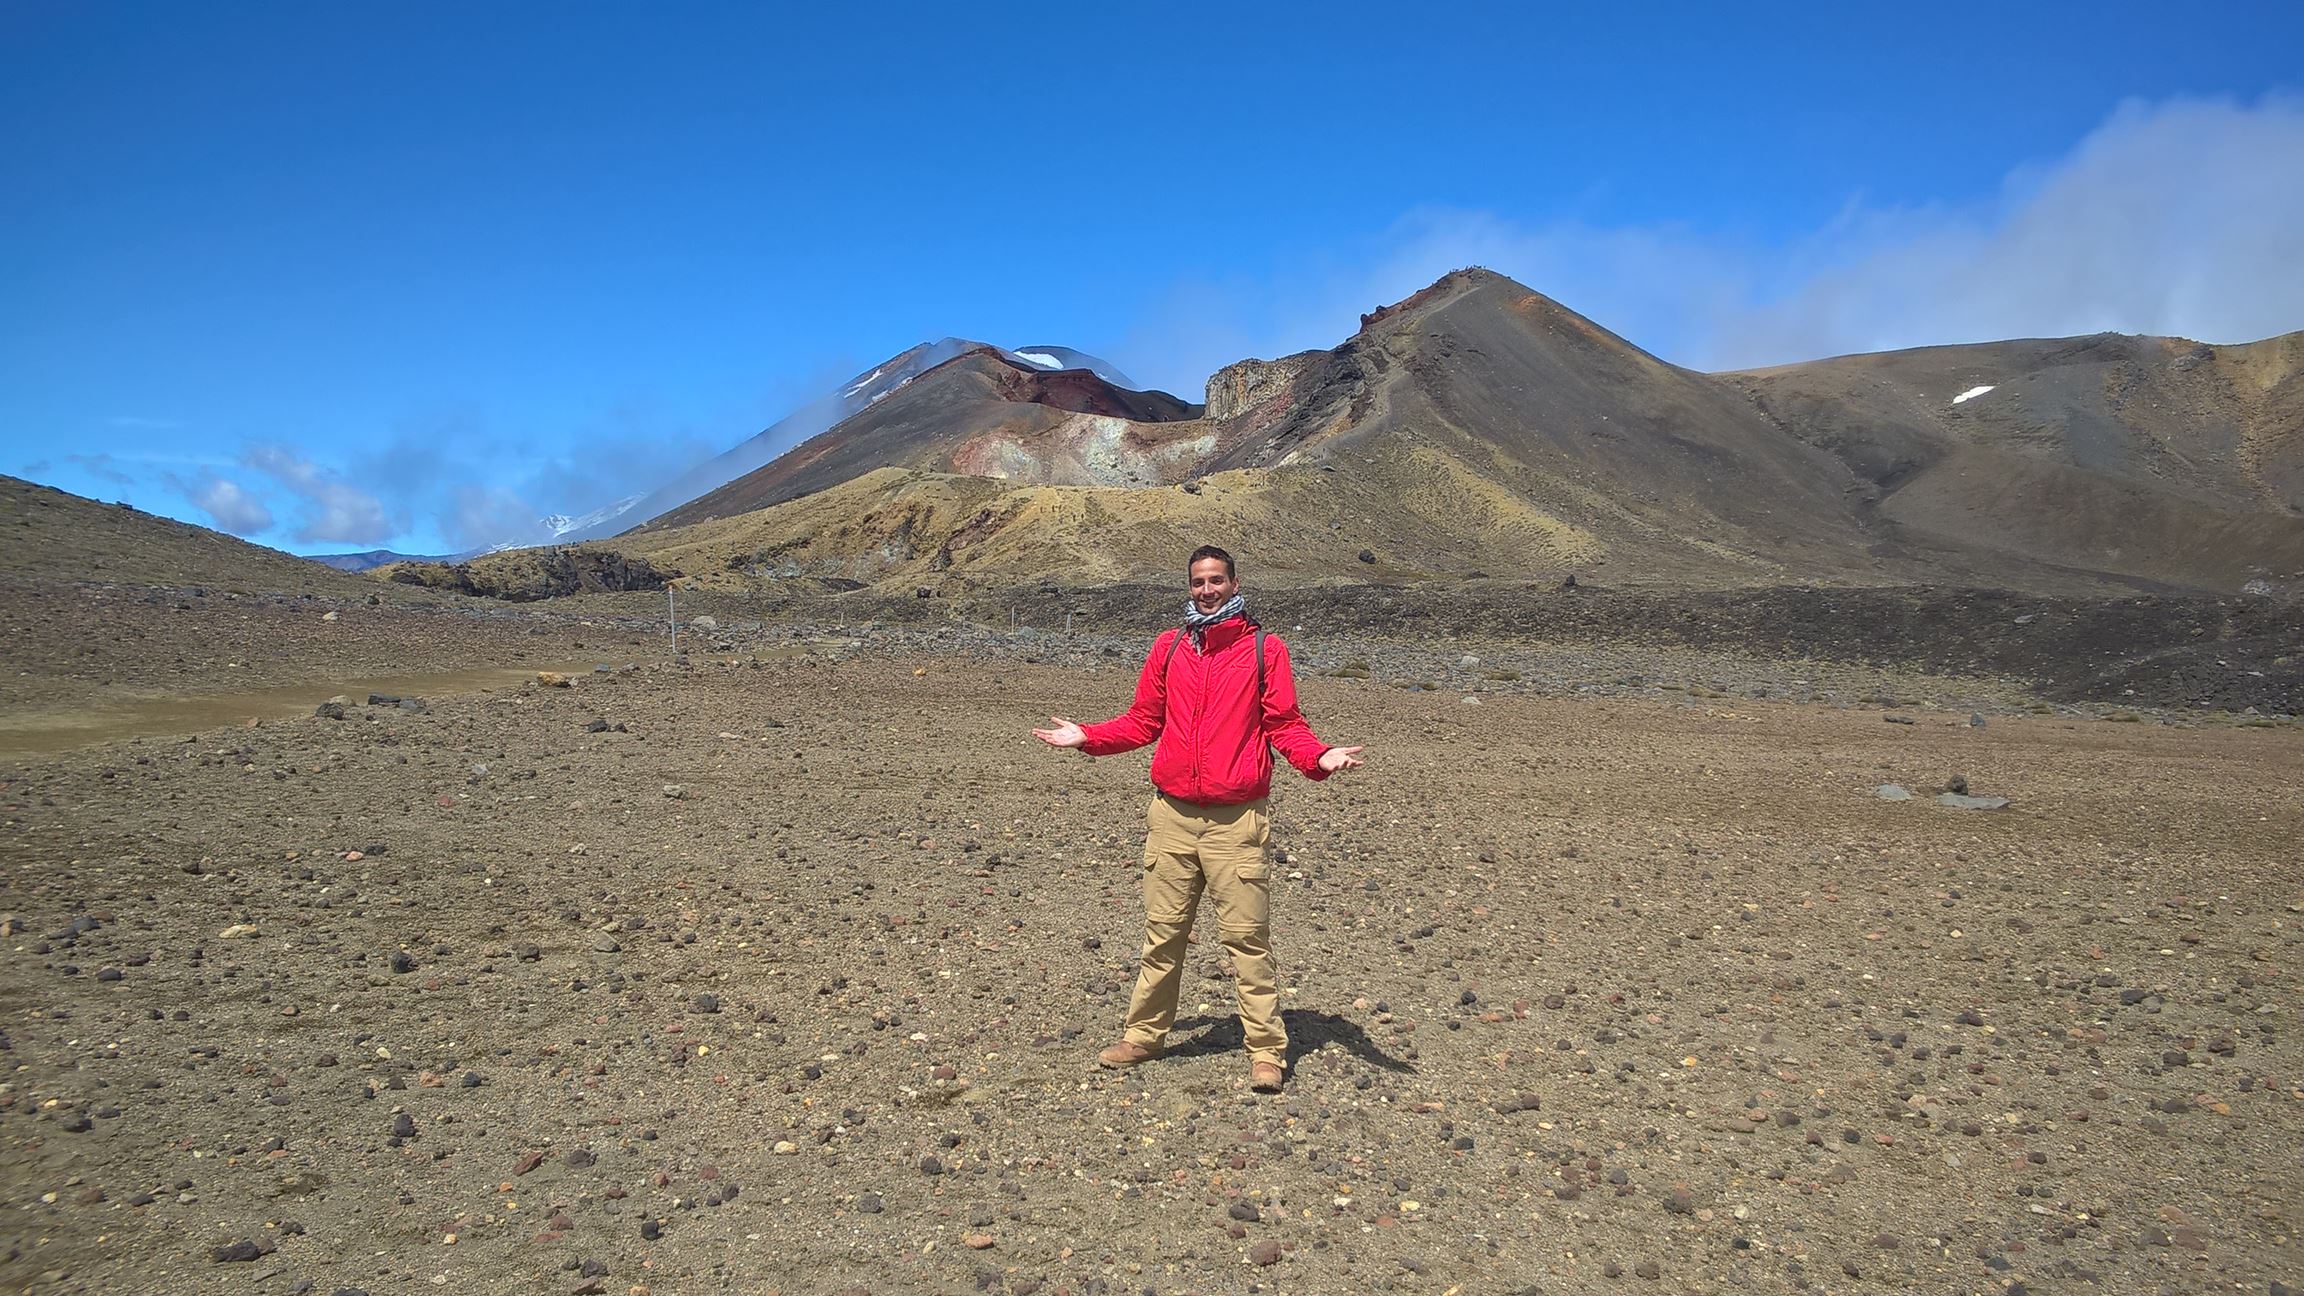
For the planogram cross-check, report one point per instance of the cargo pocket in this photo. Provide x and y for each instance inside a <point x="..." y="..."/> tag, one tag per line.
<point x="1252" y="854"/>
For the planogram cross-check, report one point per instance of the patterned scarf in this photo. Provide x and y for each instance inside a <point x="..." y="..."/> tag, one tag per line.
<point x="1198" y="623"/>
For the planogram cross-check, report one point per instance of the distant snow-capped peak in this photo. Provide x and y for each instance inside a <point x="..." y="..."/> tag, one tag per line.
<point x="560" y="524"/>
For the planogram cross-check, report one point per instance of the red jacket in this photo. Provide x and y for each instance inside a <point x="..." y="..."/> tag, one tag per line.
<point x="1203" y="710"/>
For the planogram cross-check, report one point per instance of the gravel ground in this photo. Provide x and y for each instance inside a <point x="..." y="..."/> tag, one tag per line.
<point x="788" y="977"/>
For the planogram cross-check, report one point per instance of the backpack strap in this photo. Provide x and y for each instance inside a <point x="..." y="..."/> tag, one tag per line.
<point x="1169" y="661"/>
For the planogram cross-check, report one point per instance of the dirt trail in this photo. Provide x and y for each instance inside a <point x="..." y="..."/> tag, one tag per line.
<point x="39" y="730"/>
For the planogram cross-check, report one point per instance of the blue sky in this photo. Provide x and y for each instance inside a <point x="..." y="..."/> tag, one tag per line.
<point x="339" y="276"/>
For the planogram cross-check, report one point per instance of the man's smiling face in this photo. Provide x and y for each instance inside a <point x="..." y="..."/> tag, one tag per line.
<point x="1211" y="584"/>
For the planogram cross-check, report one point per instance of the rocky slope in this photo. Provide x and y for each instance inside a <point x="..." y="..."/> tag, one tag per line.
<point x="2157" y="458"/>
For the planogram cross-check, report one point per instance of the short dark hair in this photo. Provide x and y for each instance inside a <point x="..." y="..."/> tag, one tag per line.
<point x="1211" y="551"/>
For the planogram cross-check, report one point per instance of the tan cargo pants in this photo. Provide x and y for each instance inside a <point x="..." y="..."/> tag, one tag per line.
<point x="1224" y="850"/>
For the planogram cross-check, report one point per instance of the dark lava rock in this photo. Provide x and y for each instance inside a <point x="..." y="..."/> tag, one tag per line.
<point x="403" y="961"/>
<point x="236" y="1252"/>
<point x="1246" y="1213"/>
<point x="403" y="1126"/>
<point x="650" y="1230"/>
<point x="870" y="1204"/>
<point x="707" y="1003"/>
<point x="1648" y="1269"/>
<point x="930" y="1165"/>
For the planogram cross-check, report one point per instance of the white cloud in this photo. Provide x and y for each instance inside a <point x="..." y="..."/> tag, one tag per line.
<point x="2184" y="217"/>
<point x="231" y="506"/>
<point x="101" y="465"/>
<point x="490" y="515"/>
<point x="336" y="512"/>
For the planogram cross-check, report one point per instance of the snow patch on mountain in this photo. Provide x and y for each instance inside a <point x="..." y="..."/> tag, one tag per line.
<point x="1062" y="357"/>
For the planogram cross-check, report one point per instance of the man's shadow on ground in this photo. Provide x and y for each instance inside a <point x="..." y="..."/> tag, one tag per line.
<point x="1308" y="1030"/>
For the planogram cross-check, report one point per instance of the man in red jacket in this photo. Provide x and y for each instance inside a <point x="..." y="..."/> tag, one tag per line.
<point x="1218" y="696"/>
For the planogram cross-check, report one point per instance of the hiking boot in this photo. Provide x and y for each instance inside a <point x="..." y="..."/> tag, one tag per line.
<point x="1126" y="1053"/>
<point x="1266" y="1077"/>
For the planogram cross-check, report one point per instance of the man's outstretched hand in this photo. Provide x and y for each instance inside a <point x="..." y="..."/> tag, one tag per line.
<point x="1334" y="759"/>
<point x="1067" y="734"/>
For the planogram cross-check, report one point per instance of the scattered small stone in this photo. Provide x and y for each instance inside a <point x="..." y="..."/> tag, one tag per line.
<point x="1266" y="1253"/>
